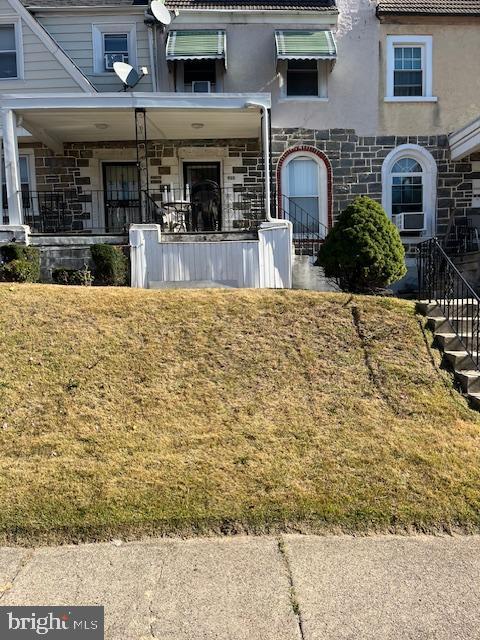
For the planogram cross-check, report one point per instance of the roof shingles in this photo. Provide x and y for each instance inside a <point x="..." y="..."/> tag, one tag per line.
<point x="254" y="5"/>
<point x="429" y="7"/>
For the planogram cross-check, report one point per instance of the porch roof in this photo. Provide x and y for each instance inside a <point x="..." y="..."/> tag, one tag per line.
<point x="466" y="140"/>
<point x="57" y="118"/>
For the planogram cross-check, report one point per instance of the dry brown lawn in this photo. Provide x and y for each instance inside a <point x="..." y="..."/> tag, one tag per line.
<point x="128" y="412"/>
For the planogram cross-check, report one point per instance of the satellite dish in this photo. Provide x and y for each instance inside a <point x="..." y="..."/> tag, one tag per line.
<point x="127" y="74"/>
<point x="160" y="11"/>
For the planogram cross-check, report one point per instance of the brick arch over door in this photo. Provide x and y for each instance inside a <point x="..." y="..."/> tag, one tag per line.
<point x="307" y="149"/>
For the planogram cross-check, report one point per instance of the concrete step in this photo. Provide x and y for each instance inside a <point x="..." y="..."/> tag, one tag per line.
<point x="460" y="324"/>
<point x="469" y="380"/>
<point x="467" y="307"/>
<point x="459" y="360"/>
<point x="451" y="341"/>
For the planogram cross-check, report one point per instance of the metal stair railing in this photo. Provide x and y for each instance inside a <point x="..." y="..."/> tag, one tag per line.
<point x="306" y="239"/>
<point x="441" y="282"/>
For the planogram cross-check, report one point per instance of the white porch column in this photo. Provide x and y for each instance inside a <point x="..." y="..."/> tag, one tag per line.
<point x="12" y="167"/>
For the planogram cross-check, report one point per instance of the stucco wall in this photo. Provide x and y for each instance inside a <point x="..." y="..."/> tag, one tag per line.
<point x="352" y="84"/>
<point x="456" y="78"/>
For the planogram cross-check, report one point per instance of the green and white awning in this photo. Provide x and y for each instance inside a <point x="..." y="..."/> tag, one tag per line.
<point x="196" y="45"/>
<point x="305" y="45"/>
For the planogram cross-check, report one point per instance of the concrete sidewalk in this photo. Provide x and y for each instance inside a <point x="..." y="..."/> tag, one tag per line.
<point x="245" y="588"/>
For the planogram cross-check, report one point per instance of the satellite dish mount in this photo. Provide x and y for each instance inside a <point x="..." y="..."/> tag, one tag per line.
<point x="128" y="75"/>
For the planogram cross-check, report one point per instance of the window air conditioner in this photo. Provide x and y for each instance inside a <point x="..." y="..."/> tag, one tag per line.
<point x="111" y="58"/>
<point x="411" y="221"/>
<point x="201" y="86"/>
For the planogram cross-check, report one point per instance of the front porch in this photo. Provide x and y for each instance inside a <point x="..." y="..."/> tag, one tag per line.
<point x="98" y="164"/>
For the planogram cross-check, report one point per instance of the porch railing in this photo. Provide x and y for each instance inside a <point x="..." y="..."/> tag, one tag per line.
<point x="114" y="210"/>
<point x="440" y="281"/>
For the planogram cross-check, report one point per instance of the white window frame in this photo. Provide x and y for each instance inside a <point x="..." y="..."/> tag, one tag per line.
<point x="429" y="183"/>
<point x="322" y="184"/>
<point x="17" y="24"/>
<point x="32" y="179"/>
<point x="425" y="43"/>
<point x="322" y="76"/>
<point x="98" y="32"/>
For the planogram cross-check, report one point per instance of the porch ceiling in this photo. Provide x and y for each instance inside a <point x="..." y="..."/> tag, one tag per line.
<point x="112" y="118"/>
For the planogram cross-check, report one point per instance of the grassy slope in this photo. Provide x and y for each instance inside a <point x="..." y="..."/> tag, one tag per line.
<point x="128" y="412"/>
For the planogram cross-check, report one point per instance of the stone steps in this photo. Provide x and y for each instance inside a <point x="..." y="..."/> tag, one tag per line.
<point x="453" y="337"/>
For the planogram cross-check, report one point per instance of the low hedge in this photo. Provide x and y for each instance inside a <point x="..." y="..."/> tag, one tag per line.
<point x="77" y="277"/>
<point x="109" y="265"/>
<point x="19" y="263"/>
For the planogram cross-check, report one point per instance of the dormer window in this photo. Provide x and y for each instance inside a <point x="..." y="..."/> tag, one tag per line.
<point x="113" y="43"/>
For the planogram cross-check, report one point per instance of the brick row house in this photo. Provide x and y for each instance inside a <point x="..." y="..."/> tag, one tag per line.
<point x="245" y="114"/>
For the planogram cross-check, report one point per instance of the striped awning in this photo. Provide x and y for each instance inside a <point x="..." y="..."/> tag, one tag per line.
<point x="196" y="45"/>
<point x="305" y="45"/>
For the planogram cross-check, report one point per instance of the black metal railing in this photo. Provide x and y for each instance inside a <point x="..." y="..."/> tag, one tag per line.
<point x="461" y="237"/>
<point x="80" y="211"/>
<point x="114" y="210"/>
<point x="209" y="208"/>
<point x="441" y="282"/>
<point x="308" y="232"/>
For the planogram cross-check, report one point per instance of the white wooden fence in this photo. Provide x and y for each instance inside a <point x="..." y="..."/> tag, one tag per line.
<point x="262" y="263"/>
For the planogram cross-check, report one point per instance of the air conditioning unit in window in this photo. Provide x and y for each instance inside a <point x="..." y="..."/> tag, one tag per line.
<point x="111" y="58"/>
<point x="201" y="86"/>
<point x="411" y="221"/>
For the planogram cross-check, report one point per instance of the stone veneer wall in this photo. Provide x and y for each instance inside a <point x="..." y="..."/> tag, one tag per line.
<point x="241" y="159"/>
<point x="356" y="163"/>
<point x="78" y="172"/>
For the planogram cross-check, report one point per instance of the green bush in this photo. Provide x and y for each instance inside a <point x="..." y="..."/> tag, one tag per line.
<point x="363" y="252"/>
<point x="19" y="263"/>
<point x="110" y="265"/>
<point x="19" y="271"/>
<point x="78" y="277"/>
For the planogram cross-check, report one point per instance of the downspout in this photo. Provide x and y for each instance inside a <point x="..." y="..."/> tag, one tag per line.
<point x="151" y="30"/>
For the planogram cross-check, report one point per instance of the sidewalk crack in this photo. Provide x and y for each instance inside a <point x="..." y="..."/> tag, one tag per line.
<point x="23" y="563"/>
<point x="293" y="593"/>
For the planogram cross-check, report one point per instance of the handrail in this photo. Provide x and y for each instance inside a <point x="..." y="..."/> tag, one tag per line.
<point x="304" y="221"/>
<point x="439" y="280"/>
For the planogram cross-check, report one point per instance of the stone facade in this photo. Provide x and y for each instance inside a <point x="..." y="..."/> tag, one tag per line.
<point x="78" y="173"/>
<point x="356" y="167"/>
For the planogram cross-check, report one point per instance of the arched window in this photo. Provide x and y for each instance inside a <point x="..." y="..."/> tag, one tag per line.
<point x="409" y="176"/>
<point x="304" y="191"/>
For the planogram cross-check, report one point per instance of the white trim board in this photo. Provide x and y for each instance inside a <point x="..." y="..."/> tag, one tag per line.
<point x="52" y="46"/>
<point x="425" y="43"/>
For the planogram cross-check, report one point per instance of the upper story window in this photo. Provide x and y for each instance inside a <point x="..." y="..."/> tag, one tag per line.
<point x="10" y="50"/>
<point x="305" y="59"/>
<point x="200" y="76"/>
<point x="409" y="69"/>
<point x="306" y="78"/>
<point x="113" y="43"/>
<point x="199" y="59"/>
<point x="115" y="49"/>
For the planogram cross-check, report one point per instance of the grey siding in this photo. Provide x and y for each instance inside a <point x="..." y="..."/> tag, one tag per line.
<point x="42" y="71"/>
<point x="74" y="35"/>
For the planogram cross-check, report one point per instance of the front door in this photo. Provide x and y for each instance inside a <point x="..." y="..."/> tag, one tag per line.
<point x="121" y="195"/>
<point x="201" y="182"/>
<point x="306" y="193"/>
